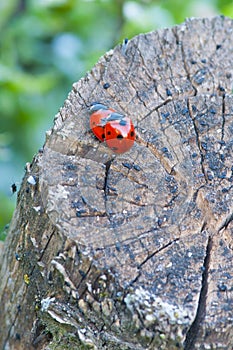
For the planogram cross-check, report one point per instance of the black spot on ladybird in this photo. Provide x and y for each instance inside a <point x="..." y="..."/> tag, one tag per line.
<point x="132" y="133"/>
<point x="119" y="136"/>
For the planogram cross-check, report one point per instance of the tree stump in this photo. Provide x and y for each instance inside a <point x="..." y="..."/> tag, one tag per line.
<point x="131" y="251"/>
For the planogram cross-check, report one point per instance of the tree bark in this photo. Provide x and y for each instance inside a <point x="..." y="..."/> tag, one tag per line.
<point x="131" y="251"/>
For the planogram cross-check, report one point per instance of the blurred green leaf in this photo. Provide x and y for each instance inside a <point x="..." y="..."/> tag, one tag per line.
<point x="7" y="8"/>
<point x="6" y="208"/>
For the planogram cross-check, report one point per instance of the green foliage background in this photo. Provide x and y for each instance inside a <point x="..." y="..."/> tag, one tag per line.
<point x="45" y="46"/>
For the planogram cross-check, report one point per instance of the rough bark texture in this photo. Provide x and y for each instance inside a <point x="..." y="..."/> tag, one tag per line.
<point x="132" y="251"/>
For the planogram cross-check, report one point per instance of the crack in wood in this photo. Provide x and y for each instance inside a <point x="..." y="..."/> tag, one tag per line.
<point x="164" y="103"/>
<point x="46" y="245"/>
<point x="10" y="328"/>
<point x="184" y="59"/>
<point x="226" y="222"/>
<point x="83" y="278"/>
<point x="148" y="258"/>
<point x="167" y="167"/>
<point x="107" y="165"/>
<point x="198" y="141"/>
<point x="193" y="332"/>
<point x="223" y="120"/>
<point x="157" y="251"/>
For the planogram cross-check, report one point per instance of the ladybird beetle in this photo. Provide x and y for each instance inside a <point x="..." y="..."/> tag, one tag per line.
<point x="114" y="128"/>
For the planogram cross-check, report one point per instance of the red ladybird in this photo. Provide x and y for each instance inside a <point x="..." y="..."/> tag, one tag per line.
<point x="114" y="128"/>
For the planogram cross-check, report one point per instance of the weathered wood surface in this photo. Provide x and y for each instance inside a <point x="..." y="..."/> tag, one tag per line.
<point x="132" y="251"/>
